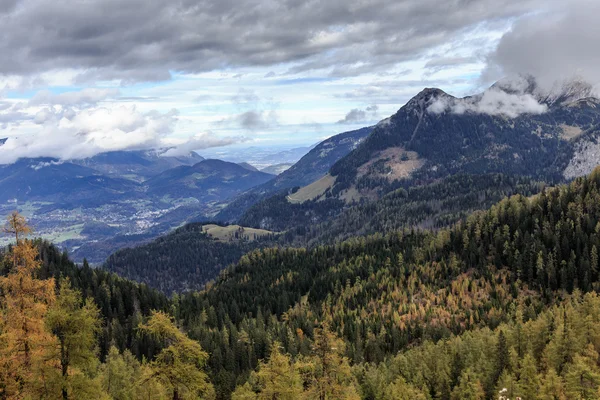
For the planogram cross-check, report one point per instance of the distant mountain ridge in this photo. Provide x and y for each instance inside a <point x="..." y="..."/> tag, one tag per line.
<point x="208" y="180"/>
<point x="137" y="164"/>
<point x="309" y="168"/>
<point x="94" y="205"/>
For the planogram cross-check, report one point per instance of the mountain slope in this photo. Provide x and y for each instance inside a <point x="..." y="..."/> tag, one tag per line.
<point x="183" y="260"/>
<point x="517" y="131"/>
<point x="208" y="180"/>
<point x="386" y="293"/>
<point x="309" y="168"/>
<point x="478" y="134"/>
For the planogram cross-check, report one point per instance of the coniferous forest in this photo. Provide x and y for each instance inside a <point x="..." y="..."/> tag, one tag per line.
<point x="299" y="200"/>
<point x="503" y="304"/>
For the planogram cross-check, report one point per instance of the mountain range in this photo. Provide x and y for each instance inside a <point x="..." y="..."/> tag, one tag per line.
<point x="92" y="206"/>
<point x="96" y="205"/>
<point x="429" y="165"/>
<point x="442" y="257"/>
<point x="513" y="128"/>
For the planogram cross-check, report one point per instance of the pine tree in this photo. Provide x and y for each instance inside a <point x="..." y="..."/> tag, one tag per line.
<point x="502" y="356"/>
<point x="279" y="378"/>
<point x="469" y="387"/>
<point x="551" y="387"/>
<point x="528" y="378"/>
<point x="582" y="378"/>
<point x="401" y="390"/>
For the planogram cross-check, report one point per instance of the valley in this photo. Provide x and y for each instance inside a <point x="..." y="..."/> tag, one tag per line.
<point x="299" y="200"/>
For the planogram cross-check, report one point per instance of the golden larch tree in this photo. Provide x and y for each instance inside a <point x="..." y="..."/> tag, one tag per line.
<point x="25" y="301"/>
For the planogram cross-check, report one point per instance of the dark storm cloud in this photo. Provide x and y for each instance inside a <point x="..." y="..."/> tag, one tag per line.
<point x="143" y="40"/>
<point x="551" y="46"/>
<point x="7" y="5"/>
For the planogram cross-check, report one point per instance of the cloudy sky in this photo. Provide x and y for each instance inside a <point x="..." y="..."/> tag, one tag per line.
<point x="81" y="77"/>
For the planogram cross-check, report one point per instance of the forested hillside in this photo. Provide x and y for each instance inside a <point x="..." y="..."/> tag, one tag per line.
<point x="433" y="205"/>
<point x="383" y="294"/>
<point x="73" y="332"/>
<point x="185" y="259"/>
<point x="492" y="306"/>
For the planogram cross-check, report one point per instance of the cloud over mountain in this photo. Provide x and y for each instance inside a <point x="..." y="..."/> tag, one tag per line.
<point x="72" y="125"/>
<point x="493" y="101"/>
<point x="552" y="46"/>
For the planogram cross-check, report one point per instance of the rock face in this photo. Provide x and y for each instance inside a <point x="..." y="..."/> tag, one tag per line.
<point x="585" y="158"/>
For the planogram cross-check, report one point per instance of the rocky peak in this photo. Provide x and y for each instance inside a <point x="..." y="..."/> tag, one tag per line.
<point x="424" y="99"/>
<point x="569" y="91"/>
<point x="561" y="93"/>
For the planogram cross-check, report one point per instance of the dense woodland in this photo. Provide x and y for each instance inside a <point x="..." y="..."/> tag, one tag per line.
<point x="183" y="260"/>
<point x="434" y="205"/>
<point x="384" y="294"/>
<point x="186" y="259"/>
<point x="502" y="304"/>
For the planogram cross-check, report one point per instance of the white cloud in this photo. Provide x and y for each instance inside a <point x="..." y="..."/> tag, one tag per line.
<point x="66" y="133"/>
<point x="493" y="101"/>
<point x="200" y="141"/>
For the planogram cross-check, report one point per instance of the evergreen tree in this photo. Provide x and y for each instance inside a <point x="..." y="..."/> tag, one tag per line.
<point x="400" y="390"/>
<point x="330" y="373"/>
<point x="469" y="387"/>
<point x="75" y="324"/>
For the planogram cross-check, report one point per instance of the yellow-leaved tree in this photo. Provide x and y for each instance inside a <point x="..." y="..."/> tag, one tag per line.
<point x="25" y="301"/>
<point x="71" y="360"/>
<point x="325" y="374"/>
<point x="179" y="367"/>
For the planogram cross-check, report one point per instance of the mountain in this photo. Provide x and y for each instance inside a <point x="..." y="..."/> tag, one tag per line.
<point x="518" y="130"/>
<point x="436" y="135"/>
<point x="206" y="181"/>
<point x="97" y="205"/>
<point x="136" y="164"/>
<point x="309" y="168"/>
<point x="49" y="180"/>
